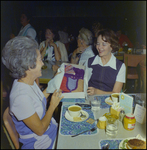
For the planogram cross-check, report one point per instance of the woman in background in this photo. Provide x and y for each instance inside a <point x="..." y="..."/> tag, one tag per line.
<point x="49" y="49"/>
<point x="84" y="50"/>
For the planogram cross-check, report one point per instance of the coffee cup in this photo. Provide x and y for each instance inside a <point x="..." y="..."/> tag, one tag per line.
<point x="102" y="122"/>
<point x="115" y="97"/>
<point x="74" y="110"/>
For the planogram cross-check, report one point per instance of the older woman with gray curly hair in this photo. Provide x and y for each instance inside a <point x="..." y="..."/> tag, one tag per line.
<point x="84" y="50"/>
<point x="34" y="124"/>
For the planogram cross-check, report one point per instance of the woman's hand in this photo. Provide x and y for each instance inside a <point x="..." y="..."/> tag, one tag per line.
<point x="56" y="98"/>
<point x="51" y="43"/>
<point x="47" y="42"/>
<point x="91" y="91"/>
<point x="55" y="68"/>
<point x="80" y="50"/>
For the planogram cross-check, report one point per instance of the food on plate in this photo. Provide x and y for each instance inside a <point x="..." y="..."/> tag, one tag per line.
<point x="136" y="144"/>
<point x="77" y="119"/>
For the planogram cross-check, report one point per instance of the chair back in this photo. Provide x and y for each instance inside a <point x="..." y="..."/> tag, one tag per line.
<point x="13" y="135"/>
<point x="142" y="66"/>
<point x="126" y="62"/>
<point x="133" y="59"/>
<point x="63" y="51"/>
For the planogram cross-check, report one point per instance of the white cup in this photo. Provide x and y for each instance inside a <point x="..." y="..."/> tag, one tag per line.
<point x="115" y="97"/>
<point x="74" y="110"/>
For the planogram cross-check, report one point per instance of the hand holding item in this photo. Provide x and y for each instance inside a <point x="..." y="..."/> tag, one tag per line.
<point x="47" y="42"/>
<point x="56" y="98"/>
<point x="51" y="43"/>
<point x="80" y="49"/>
<point x="55" y="67"/>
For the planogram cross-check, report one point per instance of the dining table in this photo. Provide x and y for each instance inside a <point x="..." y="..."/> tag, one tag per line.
<point x="120" y="55"/>
<point x="97" y="138"/>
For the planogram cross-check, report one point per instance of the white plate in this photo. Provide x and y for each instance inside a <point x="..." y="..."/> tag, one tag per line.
<point x="121" y="143"/>
<point x="108" y="101"/>
<point x="68" y="117"/>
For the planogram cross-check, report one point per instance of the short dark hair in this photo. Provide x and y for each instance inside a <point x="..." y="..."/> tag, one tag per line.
<point x="27" y="13"/>
<point x="110" y="37"/>
<point x="54" y="31"/>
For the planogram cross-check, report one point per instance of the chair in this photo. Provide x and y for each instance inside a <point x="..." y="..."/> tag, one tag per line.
<point x="10" y="130"/>
<point x="131" y="61"/>
<point x="142" y="67"/>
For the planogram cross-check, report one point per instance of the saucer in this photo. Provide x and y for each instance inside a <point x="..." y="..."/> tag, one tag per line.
<point x="108" y="101"/>
<point x="76" y="119"/>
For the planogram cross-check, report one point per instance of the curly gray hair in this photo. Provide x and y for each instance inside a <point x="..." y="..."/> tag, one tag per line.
<point x="86" y="35"/>
<point x="19" y="54"/>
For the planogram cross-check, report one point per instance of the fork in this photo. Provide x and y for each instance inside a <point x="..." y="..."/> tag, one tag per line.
<point x="93" y="129"/>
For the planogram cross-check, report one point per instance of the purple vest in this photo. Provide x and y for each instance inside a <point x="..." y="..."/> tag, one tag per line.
<point x="103" y="77"/>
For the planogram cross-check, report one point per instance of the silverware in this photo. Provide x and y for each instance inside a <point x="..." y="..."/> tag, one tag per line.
<point x="84" y="105"/>
<point x="106" y="146"/>
<point x="93" y="129"/>
<point x="82" y="116"/>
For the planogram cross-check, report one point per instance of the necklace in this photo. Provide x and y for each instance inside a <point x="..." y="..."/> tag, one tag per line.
<point x="39" y="96"/>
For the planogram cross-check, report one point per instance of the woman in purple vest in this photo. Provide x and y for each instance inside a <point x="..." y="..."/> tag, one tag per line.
<point x="106" y="74"/>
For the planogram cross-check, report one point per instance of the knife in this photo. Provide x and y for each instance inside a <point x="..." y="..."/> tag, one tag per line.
<point x="93" y="129"/>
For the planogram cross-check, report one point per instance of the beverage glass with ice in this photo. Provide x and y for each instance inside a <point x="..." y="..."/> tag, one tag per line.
<point x="95" y="103"/>
<point x="111" y="127"/>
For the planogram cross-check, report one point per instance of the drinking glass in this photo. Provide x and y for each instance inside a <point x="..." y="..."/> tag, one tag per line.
<point x="111" y="127"/>
<point x="95" y="103"/>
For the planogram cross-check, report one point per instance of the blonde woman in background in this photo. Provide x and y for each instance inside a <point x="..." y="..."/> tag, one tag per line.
<point x="84" y="50"/>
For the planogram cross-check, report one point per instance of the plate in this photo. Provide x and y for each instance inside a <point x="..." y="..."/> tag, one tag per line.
<point x="121" y="143"/>
<point x="108" y="101"/>
<point x="68" y="117"/>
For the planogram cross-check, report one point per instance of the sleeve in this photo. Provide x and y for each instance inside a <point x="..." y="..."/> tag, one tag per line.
<point x="32" y="33"/>
<point x="22" y="107"/>
<point x="121" y="77"/>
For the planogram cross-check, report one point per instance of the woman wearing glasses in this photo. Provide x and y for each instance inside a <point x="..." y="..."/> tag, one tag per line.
<point x="84" y="50"/>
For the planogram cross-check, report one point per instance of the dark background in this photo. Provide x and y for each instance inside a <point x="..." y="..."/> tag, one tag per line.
<point x="130" y="16"/>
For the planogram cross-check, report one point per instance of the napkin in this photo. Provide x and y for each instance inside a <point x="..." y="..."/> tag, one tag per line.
<point x="115" y="108"/>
